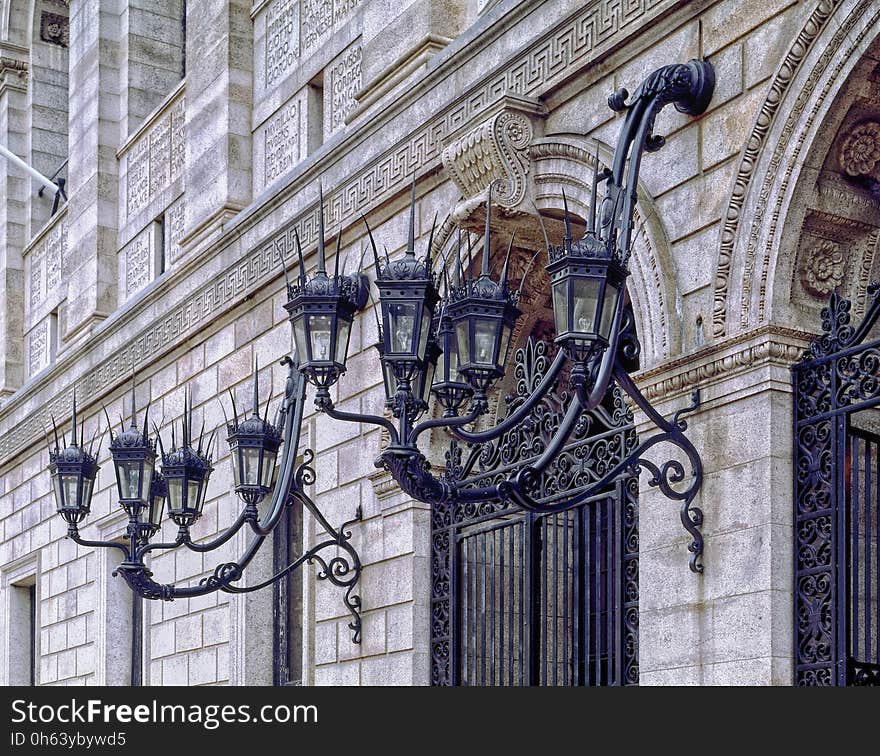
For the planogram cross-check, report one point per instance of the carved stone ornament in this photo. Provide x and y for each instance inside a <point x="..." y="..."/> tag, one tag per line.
<point x="825" y="268"/>
<point x="54" y="29"/>
<point x="860" y="150"/>
<point x="494" y="150"/>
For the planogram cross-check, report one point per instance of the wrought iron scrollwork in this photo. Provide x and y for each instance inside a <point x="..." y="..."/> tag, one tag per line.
<point x="342" y="569"/>
<point x="838" y="375"/>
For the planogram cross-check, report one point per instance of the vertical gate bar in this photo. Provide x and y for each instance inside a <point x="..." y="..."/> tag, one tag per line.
<point x="524" y="587"/>
<point x="579" y="611"/>
<point x="472" y="620"/>
<point x="586" y="578"/>
<point x="566" y="586"/>
<point x="483" y="578"/>
<point x="456" y="610"/>
<point x="876" y="516"/>
<point x="855" y="483"/>
<point x="501" y="618"/>
<point x="492" y="576"/>
<point x="542" y="591"/>
<point x="536" y="548"/>
<point x="609" y="588"/>
<point x="867" y="548"/>
<point x="554" y="639"/>
<point x="513" y="575"/>
<point x="597" y="591"/>
<point x="618" y="504"/>
<point x="841" y="600"/>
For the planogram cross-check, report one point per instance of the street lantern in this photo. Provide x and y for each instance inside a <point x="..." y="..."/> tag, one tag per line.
<point x="321" y="310"/>
<point x="134" y="459"/>
<point x="186" y="471"/>
<point x="254" y="445"/>
<point x="483" y="313"/>
<point x="408" y="296"/>
<point x="73" y="470"/>
<point x="450" y="390"/>
<point x="587" y="280"/>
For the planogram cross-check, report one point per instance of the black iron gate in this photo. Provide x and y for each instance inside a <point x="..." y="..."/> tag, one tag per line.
<point x="836" y="494"/>
<point x="540" y="599"/>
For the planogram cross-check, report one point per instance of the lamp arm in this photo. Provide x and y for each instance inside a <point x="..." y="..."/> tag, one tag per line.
<point x="452" y="423"/>
<point x="325" y="404"/>
<point x="221" y="539"/>
<point x="181" y="538"/>
<point x="73" y="535"/>
<point x="521" y="412"/>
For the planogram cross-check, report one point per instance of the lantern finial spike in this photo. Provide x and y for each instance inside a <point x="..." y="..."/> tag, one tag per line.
<point x="302" y="262"/>
<point x="146" y="418"/>
<point x="591" y="226"/>
<point x="284" y="270"/>
<point x="133" y="400"/>
<point x="411" y="241"/>
<point x="336" y="262"/>
<point x="73" y="432"/>
<point x="459" y="272"/>
<point x="567" y="220"/>
<point x="321" y="261"/>
<point x="55" y="431"/>
<point x="234" y="409"/>
<point x="486" y="239"/>
<point x="256" y="387"/>
<point x="430" y="244"/>
<point x="372" y="244"/>
<point x="507" y="261"/>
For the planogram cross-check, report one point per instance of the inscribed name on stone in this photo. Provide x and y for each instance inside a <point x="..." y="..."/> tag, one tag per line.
<point x="342" y="80"/>
<point x="280" y="143"/>
<point x="320" y="18"/>
<point x="282" y="37"/>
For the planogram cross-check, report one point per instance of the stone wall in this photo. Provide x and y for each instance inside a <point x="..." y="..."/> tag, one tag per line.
<point x="363" y="97"/>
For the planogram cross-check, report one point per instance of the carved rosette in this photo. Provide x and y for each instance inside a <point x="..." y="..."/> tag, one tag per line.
<point x="824" y="268"/>
<point x="860" y="150"/>
<point x="494" y="150"/>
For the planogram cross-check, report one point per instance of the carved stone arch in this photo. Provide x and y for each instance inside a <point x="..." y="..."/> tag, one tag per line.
<point x="832" y="41"/>
<point x="565" y="163"/>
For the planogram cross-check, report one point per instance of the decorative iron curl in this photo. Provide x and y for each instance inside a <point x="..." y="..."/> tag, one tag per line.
<point x="305" y="474"/>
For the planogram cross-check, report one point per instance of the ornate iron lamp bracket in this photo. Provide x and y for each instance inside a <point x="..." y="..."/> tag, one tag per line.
<point x="337" y="560"/>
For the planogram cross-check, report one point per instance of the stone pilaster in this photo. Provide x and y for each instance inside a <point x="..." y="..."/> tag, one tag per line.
<point x="732" y="624"/>
<point x="94" y="138"/>
<point x="152" y="56"/>
<point x="14" y="188"/>
<point x="219" y="95"/>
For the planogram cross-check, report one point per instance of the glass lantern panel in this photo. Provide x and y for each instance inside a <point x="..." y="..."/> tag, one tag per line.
<point x="560" y="305"/>
<point x="299" y="334"/>
<point x="402" y="327"/>
<point x="585" y="300"/>
<point x="423" y="332"/>
<point x="428" y="381"/>
<point x="440" y="374"/>
<point x="87" y="493"/>
<point x="157" y="509"/>
<point x="485" y="335"/>
<point x="250" y="460"/>
<point x="609" y="306"/>
<point x="175" y="494"/>
<point x="390" y="381"/>
<point x="192" y="495"/>
<point x="269" y="459"/>
<point x="505" y="344"/>
<point x="128" y="475"/>
<point x="464" y="339"/>
<point x="70" y="485"/>
<point x="59" y="498"/>
<point x="236" y="479"/>
<point x="319" y="331"/>
<point x="342" y="341"/>
<point x="148" y="479"/>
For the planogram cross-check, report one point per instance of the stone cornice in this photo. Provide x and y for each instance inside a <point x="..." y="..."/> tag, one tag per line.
<point x="563" y="50"/>
<point x="767" y="345"/>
